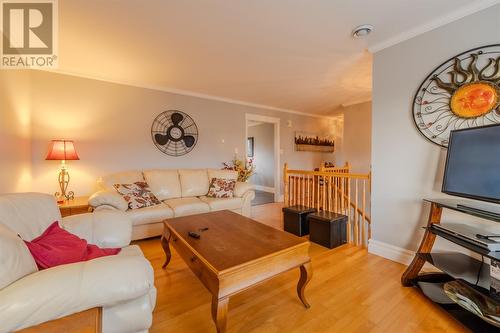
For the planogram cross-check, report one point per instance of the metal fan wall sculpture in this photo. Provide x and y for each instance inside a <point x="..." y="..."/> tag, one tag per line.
<point x="174" y="133"/>
<point x="462" y="92"/>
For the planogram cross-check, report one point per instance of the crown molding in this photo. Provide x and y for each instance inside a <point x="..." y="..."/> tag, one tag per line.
<point x="183" y="92"/>
<point x="346" y="105"/>
<point x="433" y="24"/>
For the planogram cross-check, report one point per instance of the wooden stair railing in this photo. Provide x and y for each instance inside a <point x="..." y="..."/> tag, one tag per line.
<point x="336" y="190"/>
<point x="344" y="169"/>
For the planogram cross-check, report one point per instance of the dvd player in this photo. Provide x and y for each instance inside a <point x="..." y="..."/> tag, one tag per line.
<point x="476" y="236"/>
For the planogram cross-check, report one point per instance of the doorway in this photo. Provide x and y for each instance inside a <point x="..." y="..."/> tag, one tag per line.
<point x="262" y="147"/>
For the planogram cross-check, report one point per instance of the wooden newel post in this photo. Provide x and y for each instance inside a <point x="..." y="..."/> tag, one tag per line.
<point x="285" y="179"/>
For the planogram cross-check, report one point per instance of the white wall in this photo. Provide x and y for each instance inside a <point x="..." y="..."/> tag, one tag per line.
<point x="111" y="123"/>
<point x="356" y="143"/>
<point x="15" y="166"/>
<point x="263" y="135"/>
<point x="406" y="167"/>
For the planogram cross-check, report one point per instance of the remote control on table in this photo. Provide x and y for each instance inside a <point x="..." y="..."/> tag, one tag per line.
<point x="194" y="234"/>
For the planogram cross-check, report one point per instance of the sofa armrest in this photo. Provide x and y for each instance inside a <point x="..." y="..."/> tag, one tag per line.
<point x="109" y="198"/>
<point x="241" y="188"/>
<point x="105" y="228"/>
<point x="63" y="290"/>
<point x="106" y="207"/>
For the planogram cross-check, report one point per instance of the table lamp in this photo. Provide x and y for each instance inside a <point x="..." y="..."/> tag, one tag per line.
<point x="63" y="150"/>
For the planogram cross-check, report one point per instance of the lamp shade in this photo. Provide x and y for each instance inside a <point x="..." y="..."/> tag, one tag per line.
<point x="62" y="150"/>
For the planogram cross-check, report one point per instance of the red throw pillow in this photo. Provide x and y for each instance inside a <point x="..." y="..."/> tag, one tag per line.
<point x="57" y="246"/>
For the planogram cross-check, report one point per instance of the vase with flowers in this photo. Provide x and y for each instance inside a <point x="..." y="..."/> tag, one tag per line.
<point x="245" y="169"/>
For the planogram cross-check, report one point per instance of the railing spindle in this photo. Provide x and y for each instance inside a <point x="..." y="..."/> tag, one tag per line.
<point x="356" y="215"/>
<point x="323" y="207"/>
<point x="363" y="210"/>
<point x="349" y="216"/>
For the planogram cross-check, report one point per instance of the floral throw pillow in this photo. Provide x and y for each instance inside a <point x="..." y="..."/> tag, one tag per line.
<point x="221" y="188"/>
<point x="137" y="195"/>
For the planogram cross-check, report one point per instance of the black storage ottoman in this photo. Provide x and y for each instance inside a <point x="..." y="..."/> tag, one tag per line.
<point x="295" y="219"/>
<point x="327" y="229"/>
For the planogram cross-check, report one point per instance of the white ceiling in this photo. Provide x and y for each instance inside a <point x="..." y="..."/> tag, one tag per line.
<point x="287" y="54"/>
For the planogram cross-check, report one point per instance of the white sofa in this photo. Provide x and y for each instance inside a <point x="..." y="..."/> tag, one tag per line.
<point x="123" y="285"/>
<point x="182" y="192"/>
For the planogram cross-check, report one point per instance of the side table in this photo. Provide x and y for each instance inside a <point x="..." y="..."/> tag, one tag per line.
<point x="78" y="205"/>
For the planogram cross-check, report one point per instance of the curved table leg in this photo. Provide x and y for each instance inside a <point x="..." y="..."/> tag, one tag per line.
<point x="219" y="313"/>
<point x="305" y="277"/>
<point x="165" y="243"/>
<point x="426" y="245"/>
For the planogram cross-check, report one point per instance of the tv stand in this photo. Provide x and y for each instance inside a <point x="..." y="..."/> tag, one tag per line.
<point x="458" y="271"/>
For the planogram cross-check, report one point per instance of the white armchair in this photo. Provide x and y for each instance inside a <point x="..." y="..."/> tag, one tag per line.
<point x="123" y="285"/>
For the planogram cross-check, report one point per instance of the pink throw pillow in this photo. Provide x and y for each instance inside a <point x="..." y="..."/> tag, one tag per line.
<point x="57" y="246"/>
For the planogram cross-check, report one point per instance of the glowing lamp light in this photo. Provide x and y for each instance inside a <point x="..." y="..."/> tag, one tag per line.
<point x="62" y="150"/>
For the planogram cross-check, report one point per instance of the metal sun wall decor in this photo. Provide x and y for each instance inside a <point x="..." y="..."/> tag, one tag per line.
<point x="462" y="92"/>
<point x="174" y="133"/>
<point x="313" y="142"/>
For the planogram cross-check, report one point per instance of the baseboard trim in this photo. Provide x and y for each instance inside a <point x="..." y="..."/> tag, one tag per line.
<point x="390" y="252"/>
<point x="395" y="253"/>
<point x="264" y="188"/>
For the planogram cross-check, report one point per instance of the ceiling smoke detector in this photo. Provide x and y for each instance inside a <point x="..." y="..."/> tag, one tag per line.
<point x="362" y="31"/>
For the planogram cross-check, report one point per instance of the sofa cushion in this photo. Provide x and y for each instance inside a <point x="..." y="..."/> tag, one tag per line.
<point x="137" y="195"/>
<point x="15" y="258"/>
<point x="222" y="203"/>
<point x="187" y="206"/>
<point x="127" y="177"/>
<point x="165" y="184"/>
<point x="153" y="214"/>
<point x="222" y="174"/>
<point x="194" y="182"/>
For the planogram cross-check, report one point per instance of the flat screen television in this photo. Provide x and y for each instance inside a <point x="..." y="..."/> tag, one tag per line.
<point x="473" y="164"/>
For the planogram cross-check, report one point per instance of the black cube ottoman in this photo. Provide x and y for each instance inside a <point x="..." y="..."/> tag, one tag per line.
<point x="327" y="228"/>
<point x="295" y="219"/>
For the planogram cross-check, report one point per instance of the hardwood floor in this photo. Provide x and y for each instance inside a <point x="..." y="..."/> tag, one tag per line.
<point x="350" y="291"/>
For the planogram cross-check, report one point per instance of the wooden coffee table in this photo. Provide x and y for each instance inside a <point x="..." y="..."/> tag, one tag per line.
<point x="234" y="254"/>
